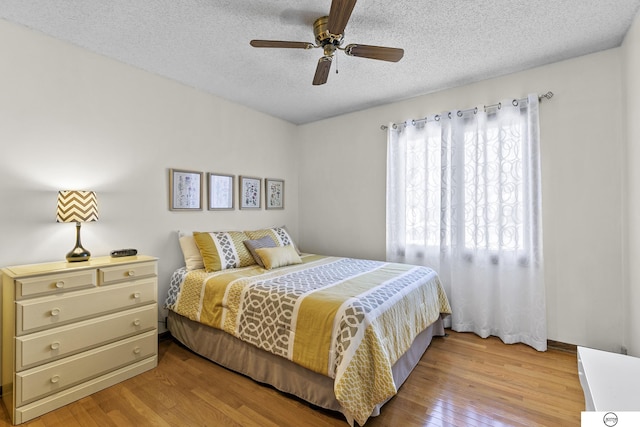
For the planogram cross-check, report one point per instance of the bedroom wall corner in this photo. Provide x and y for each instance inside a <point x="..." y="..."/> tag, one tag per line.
<point x="631" y="81"/>
<point x="71" y="119"/>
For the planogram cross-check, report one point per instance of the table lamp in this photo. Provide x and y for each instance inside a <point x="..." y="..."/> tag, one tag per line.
<point x="77" y="206"/>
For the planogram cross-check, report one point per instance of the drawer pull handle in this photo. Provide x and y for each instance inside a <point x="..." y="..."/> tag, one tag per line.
<point x="55" y="379"/>
<point x="55" y="345"/>
<point x="136" y="322"/>
<point x="136" y="350"/>
<point x="131" y="273"/>
<point x="55" y="312"/>
<point x="60" y="284"/>
<point x="136" y="295"/>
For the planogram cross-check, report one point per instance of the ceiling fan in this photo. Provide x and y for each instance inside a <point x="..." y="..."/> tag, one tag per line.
<point x="329" y="34"/>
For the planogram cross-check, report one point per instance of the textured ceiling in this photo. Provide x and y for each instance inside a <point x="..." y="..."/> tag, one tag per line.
<point x="205" y="44"/>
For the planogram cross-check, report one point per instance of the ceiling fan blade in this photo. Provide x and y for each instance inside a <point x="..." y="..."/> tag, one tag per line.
<point x="390" y="54"/>
<point x="339" y="15"/>
<point x="281" y="44"/>
<point x="322" y="70"/>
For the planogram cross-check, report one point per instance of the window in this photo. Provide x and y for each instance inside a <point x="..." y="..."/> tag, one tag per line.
<point x="490" y="202"/>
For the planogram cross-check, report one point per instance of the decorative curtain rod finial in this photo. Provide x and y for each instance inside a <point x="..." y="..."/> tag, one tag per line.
<point x="547" y="95"/>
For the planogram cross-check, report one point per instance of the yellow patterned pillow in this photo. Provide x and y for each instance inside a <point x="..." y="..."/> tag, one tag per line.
<point x="279" y="256"/>
<point x="279" y="235"/>
<point x="223" y="249"/>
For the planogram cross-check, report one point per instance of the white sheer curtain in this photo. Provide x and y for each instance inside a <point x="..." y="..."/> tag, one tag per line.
<point x="463" y="197"/>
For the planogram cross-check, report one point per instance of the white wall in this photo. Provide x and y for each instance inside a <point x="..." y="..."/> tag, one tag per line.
<point x="631" y="52"/>
<point x="70" y="119"/>
<point x="342" y="177"/>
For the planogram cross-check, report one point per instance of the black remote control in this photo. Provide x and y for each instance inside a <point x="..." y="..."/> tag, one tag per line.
<point x="123" y="252"/>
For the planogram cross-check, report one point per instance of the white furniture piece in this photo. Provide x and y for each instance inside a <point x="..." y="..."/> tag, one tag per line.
<point x="71" y="329"/>
<point x="609" y="380"/>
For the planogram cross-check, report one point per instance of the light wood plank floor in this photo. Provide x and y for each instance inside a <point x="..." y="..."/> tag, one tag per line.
<point x="462" y="380"/>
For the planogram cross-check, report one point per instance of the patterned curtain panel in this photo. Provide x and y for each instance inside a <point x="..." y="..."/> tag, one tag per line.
<point x="464" y="197"/>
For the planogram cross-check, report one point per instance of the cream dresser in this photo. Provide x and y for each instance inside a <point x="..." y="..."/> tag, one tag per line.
<point x="71" y="329"/>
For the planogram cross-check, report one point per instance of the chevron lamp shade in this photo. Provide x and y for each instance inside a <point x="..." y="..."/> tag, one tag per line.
<point x="77" y="206"/>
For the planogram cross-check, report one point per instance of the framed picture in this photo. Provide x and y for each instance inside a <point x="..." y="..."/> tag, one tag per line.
<point x="274" y="193"/>
<point x="250" y="193"/>
<point x="185" y="190"/>
<point x="220" y="191"/>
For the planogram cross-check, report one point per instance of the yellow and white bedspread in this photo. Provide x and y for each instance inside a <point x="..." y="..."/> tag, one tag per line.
<point x="349" y="319"/>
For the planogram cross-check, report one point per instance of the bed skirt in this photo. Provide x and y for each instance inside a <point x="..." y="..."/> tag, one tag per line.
<point x="265" y="367"/>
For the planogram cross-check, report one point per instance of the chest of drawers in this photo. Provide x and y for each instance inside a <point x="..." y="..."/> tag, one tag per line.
<point x="71" y="329"/>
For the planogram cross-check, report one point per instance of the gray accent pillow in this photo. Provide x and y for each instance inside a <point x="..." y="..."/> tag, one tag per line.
<point x="264" y="242"/>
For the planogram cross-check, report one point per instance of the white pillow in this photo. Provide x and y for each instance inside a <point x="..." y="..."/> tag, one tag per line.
<point x="190" y="251"/>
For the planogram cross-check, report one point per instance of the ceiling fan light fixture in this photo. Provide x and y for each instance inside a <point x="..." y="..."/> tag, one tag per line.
<point x="329" y="49"/>
<point x="329" y="35"/>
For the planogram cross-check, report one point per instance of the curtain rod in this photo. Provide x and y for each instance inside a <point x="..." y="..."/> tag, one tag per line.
<point x="547" y="95"/>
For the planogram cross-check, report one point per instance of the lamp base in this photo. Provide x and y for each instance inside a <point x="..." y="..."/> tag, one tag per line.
<point x="78" y="254"/>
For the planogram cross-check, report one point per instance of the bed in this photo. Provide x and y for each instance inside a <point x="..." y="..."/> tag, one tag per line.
<point x="340" y="333"/>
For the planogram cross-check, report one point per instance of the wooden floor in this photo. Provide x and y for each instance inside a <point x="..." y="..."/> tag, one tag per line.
<point x="462" y="380"/>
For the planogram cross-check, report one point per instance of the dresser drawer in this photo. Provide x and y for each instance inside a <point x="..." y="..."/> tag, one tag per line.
<point x="59" y="309"/>
<point x="119" y="273"/>
<point x="56" y="376"/>
<point x="40" y="285"/>
<point x="52" y="344"/>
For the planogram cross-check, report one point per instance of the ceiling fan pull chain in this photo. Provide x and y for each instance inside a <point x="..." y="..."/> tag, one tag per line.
<point x="336" y="63"/>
